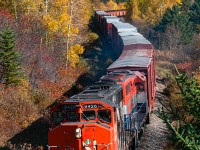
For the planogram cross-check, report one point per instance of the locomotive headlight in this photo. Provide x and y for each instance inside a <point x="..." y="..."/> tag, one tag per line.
<point x="78" y="133"/>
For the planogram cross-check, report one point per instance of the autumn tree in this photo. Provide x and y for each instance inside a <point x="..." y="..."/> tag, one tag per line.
<point x="111" y="5"/>
<point x="97" y="4"/>
<point x="149" y="11"/>
<point x="10" y="66"/>
<point x="68" y="19"/>
<point x="132" y="9"/>
<point x="22" y="7"/>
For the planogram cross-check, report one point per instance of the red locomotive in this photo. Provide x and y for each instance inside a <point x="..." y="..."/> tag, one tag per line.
<point x="110" y="114"/>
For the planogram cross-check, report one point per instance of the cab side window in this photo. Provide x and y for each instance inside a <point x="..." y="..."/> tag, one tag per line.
<point x="128" y="88"/>
<point x="57" y="117"/>
<point x="119" y="96"/>
<point x="140" y="87"/>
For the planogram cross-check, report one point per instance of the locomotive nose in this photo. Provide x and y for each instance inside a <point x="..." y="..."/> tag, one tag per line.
<point x="88" y="139"/>
<point x="65" y="137"/>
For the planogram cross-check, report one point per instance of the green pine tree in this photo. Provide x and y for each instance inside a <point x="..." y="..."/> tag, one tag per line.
<point x="180" y="19"/>
<point x="186" y="133"/>
<point x="169" y="16"/>
<point x="185" y="5"/>
<point x="195" y="12"/>
<point x="185" y="26"/>
<point x="9" y="64"/>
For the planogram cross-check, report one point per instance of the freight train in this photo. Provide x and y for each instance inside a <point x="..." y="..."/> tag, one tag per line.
<point x="112" y="113"/>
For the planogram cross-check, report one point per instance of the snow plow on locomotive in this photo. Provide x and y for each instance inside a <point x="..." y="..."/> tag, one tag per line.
<point x="111" y="114"/>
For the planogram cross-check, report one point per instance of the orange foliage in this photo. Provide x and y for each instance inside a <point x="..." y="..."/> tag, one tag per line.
<point x="16" y="105"/>
<point x="54" y="89"/>
<point x="184" y="66"/>
<point x="198" y="77"/>
<point x="65" y="79"/>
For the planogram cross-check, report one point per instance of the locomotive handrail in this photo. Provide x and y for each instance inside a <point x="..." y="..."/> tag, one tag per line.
<point x="131" y="124"/>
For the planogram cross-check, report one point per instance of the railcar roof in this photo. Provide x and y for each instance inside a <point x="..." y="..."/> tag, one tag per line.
<point x="124" y="26"/>
<point x="125" y="33"/>
<point x="131" y="62"/>
<point x="111" y="19"/>
<point x="135" y="46"/>
<point x="101" y="12"/>
<point x="137" y="52"/>
<point x="134" y="40"/>
<point x="133" y="58"/>
<point x="132" y="37"/>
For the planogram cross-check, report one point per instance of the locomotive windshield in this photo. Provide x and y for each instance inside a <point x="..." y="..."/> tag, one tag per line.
<point x="104" y="116"/>
<point x="90" y="112"/>
<point x="88" y="115"/>
<point x="72" y="116"/>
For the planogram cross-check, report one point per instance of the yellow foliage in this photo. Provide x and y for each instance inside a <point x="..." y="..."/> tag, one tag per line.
<point x="150" y="11"/>
<point x="60" y="3"/>
<point x="153" y="12"/>
<point x="51" y="24"/>
<point x="110" y="5"/>
<point x="74" y="30"/>
<point x="122" y="5"/>
<point x="133" y="11"/>
<point x="24" y="88"/>
<point x="198" y="27"/>
<point x="63" y="18"/>
<point x="93" y="36"/>
<point x="74" y="52"/>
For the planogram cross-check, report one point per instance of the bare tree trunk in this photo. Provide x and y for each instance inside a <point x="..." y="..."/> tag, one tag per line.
<point x="68" y="32"/>
<point x="46" y="13"/>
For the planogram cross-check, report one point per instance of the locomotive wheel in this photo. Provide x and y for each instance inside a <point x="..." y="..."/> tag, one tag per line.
<point x="148" y="119"/>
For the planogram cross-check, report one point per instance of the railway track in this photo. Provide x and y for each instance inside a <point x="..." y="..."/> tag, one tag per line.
<point x="155" y="136"/>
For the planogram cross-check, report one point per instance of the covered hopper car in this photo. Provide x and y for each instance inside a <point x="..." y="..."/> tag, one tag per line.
<point x="111" y="114"/>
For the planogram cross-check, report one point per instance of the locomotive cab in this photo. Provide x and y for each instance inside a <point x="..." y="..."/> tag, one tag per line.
<point x="83" y="123"/>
